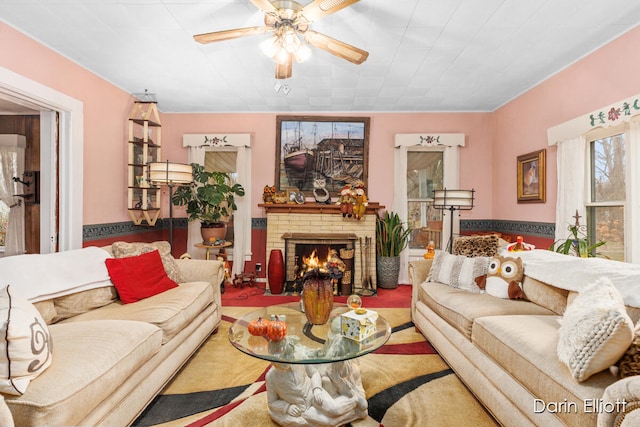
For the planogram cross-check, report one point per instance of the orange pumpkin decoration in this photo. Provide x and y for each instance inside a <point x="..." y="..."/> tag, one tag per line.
<point x="277" y="329"/>
<point x="259" y="327"/>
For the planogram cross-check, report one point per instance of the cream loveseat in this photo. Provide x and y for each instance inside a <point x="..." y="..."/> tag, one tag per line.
<point x="505" y="350"/>
<point x="109" y="359"/>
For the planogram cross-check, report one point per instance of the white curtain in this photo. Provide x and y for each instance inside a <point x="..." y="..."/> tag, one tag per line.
<point x="632" y="208"/>
<point x="572" y="166"/>
<point x="399" y="205"/>
<point x="241" y="218"/>
<point x="12" y="164"/>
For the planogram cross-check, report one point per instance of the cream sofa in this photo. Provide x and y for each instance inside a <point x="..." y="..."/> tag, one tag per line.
<point x="505" y="352"/>
<point x="109" y="360"/>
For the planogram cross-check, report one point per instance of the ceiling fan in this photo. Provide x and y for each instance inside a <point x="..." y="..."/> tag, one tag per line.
<point x="289" y="22"/>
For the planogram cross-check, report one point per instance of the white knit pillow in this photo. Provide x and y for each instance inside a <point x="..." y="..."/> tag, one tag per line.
<point x="458" y="271"/>
<point x="25" y="345"/>
<point x="595" y="330"/>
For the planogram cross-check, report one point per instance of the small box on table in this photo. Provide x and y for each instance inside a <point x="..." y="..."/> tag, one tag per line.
<point x="358" y="327"/>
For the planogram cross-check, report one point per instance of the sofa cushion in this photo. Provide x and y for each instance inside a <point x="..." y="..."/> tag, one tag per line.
<point x="25" y="343"/>
<point x="555" y="299"/>
<point x="171" y="311"/>
<point x="81" y="302"/>
<point x="460" y="308"/>
<point x="94" y="357"/>
<point x="47" y="310"/>
<point x="458" y="271"/>
<point x="139" y="277"/>
<point x="595" y="330"/>
<point x="473" y="246"/>
<point x="124" y="249"/>
<point x="525" y="347"/>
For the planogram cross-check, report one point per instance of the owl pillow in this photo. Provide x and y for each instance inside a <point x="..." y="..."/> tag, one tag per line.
<point x="504" y="278"/>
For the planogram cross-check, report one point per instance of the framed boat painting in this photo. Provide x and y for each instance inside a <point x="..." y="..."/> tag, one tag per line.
<point x="317" y="151"/>
<point x="532" y="177"/>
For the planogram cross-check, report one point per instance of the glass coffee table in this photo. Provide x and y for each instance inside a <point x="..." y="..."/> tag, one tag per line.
<point x="313" y="380"/>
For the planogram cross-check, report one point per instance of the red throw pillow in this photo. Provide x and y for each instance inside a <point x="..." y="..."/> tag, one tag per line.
<point x="139" y="277"/>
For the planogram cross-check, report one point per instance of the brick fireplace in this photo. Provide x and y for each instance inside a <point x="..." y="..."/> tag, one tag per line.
<point x="308" y="223"/>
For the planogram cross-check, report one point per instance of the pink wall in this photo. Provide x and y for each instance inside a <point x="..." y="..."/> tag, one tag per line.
<point x="493" y="141"/>
<point x="610" y="74"/>
<point x="106" y="108"/>
<point x="475" y="156"/>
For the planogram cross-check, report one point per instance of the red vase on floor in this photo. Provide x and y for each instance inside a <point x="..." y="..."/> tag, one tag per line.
<point x="275" y="271"/>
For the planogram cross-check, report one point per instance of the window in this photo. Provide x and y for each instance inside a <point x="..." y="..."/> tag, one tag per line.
<point x="607" y="194"/>
<point x="223" y="161"/>
<point x="4" y="220"/>
<point x="425" y="172"/>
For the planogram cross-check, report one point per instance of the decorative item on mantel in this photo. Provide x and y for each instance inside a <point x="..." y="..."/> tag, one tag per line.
<point x="360" y="201"/>
<point x="346" y="201"/>
<point x="269" y="194"/>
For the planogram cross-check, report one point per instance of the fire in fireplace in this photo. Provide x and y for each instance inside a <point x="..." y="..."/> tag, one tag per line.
<point x="332" y="253"/>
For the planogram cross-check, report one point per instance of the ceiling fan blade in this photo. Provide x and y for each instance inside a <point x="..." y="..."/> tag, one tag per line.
<point x="218" y="36"/>
<point x="264" y="5"/>
<point x="319" y="8"/>
<point x="336" y="47"/>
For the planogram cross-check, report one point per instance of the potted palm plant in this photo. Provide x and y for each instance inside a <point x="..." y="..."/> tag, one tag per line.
<point x="210" y="199"/>
<point x="391" y="238"/>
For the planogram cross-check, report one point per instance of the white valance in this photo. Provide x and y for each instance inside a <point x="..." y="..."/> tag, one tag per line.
<point x="429" y="139"/>
<point x="203" y="140"/>
<point x="611" y="115"/>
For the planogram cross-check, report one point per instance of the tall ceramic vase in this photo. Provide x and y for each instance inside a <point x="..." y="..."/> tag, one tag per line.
<point x="275" y="271"/>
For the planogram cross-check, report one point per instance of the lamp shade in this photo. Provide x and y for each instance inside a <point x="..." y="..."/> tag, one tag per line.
<point x="458" y="199"/>
<point x="166" y="173"/>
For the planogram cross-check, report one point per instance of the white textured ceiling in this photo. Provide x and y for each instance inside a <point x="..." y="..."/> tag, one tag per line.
<point x="425" y="55"/>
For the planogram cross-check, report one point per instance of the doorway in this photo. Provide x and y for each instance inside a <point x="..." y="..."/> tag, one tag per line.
<point x="61" y="142"/>
<point x="28" y="126"/>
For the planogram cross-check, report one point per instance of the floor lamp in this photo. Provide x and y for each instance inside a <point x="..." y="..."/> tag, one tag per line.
<point x="169" y="174"/>
<point x="453" y="200"/>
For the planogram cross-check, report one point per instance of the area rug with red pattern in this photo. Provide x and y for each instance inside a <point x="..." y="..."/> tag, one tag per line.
<point x="406" y="382"/>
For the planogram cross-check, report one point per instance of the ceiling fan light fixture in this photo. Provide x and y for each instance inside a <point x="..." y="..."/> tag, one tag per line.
<point x="270" y="46"/>
<point x="303" y="53"/>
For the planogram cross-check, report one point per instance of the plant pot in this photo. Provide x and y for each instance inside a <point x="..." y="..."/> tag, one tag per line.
<point x="212" y="231"/>
<point x="388" y="270"/>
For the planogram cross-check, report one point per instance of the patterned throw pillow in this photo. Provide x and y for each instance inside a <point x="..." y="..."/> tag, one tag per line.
<point x="595" y="330"/>
<point x="25" y="343"/>
<point x="124" y="249"/>
<point x="629" y="364"/>
<point x="458" y="271"/>
<point x="473" y="246"/>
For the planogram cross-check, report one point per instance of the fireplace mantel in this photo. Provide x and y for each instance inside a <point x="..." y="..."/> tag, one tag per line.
<point x="313" y="208"/>
<point x="300" y="221"/>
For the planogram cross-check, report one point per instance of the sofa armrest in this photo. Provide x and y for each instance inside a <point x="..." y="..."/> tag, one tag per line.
<point x="200" y="270"/>
<point x="418" y="272"/>
<point x="624" y="396"/>
<point x="6" y="418"/>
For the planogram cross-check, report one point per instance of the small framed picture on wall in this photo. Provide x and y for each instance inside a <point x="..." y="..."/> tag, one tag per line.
<point x="532" y="174"/>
